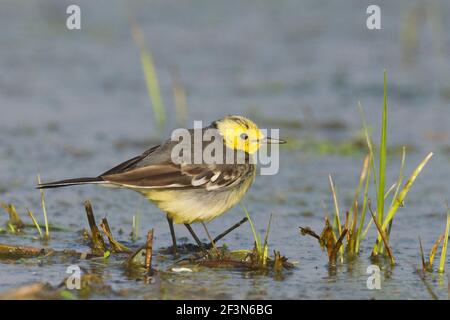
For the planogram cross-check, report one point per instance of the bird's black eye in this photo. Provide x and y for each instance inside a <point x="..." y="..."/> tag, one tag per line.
<point x="244" y="136"/>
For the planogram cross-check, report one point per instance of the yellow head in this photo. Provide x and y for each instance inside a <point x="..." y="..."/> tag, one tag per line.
<point x="240" y="133"/>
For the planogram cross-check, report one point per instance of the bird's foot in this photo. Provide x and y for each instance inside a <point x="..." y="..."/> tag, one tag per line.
<point x="185" y="249"/>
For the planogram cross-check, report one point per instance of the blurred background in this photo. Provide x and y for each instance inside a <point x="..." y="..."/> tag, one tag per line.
<point x="75" y="103"/>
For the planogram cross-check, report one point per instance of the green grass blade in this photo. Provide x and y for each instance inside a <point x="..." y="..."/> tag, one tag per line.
<point x="337" y="218"/>
<point x="266" y="237"/>
<point x="383" y="155"/>
<point x="36" y="224"/>
<point x="151" y="79"/>
<point x="153" y="88"/>
<point x="363" y="210"/>
<point x="398" y="183"/>
<point x="434" y="250"/>
<point x="369" y="146"/>
<point x="401" y="196"/>
<point x="44" y="210"/>
<point x="444" y="245"/>
<point x="400" y="176"/>
<point x="266" y="246"/>
<point x="386" y="195"/>
<point x="362" y="178"/>
<point x="255" y="234"/>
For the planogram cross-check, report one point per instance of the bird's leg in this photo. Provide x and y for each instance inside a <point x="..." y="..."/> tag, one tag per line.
<point x="191" y="231"/>
<point x="172" y="233"/>
<point x="223" y="234"/>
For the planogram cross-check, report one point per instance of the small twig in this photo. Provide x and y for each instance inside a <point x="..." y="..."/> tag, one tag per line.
<point x="149" y="251"/>
<point x="97" y="240"/>
<point x="337" y="246"/>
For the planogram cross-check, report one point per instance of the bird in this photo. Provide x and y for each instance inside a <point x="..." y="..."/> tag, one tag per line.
<point x="186" y="191"/>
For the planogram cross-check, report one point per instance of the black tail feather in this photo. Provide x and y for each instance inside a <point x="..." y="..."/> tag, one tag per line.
<point x="70" y="182"/>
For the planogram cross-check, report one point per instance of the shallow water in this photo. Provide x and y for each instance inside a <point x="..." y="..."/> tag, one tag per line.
<point x="74" y="103"/>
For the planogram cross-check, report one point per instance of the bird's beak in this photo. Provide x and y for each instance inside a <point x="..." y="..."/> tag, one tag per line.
<point x="269" y="140"/>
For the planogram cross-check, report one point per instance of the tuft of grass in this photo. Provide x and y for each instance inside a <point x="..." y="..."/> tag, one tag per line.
<point x="443" y="238"/>
<point x="327" y="240"/>
<point x="379" y="178"/>
<point x="344" y="239"/>
<point x="353" y="222"/>
<point x="384" y="214"/>
<point x="256" y="237"/>
<point x="16" y="225"/>
<point x="261" y="248"/>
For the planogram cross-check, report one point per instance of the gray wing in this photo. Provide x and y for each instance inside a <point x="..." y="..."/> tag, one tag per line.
<point x="154" y="169"/>
<point x="170" y="175"/>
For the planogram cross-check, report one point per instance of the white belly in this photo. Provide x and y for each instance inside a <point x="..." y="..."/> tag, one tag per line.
<point x="188" y="206"/>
